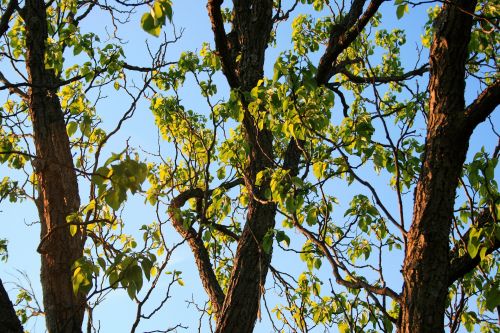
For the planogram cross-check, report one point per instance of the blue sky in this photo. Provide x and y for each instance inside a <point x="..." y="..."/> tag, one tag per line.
<point x="116" y="313"/>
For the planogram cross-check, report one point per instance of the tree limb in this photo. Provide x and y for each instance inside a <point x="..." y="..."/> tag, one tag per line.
<point x="354" y="283"/>
<point x="484" y="105"/>
<point x="461" y="265"/>
<point x="385" y="79"/>
<point x="221" y="43"/>
<point x="345" y="107"/>
<point x="8" y="319"/>
<point x="202" y="258"/>
<point x="13" y="87"/>
<point x="4" y="20"/>
<point x="343" y="34"/>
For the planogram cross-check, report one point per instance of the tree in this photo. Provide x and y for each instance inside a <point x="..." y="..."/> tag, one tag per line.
<point x="9" y="321"/>
<point x="58" y="188"/>
<point x="305" y="148"/>
<point x="449" y="128"/>
<point x="281" y="122"/>
<point x="53" y="101"/>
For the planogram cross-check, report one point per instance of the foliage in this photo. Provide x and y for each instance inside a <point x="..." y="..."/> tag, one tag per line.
<point x="343" y="214"/>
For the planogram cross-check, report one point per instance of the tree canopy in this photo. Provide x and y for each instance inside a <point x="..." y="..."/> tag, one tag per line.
<point x="324" y="165"/>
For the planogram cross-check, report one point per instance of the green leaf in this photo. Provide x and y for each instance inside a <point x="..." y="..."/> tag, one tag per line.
<point x="319" y="169"/>
<point x="344" y="328"/>
<point x="388" y="324"/>
<point x="148" y="24"/>
<point x="167" y="9"/>
<point x="131" y="291"/>
<point x="71" y="128"/>
<point x="492" y="298"/>
<point x="113" y="279"/>
<point x="114" y="157"/>
<point x="482" y="253"/>
<point x="101" y="262"/>
<point x="135" y="276"/>
<point x="317" y="263"/>
<point x="77" y="280"/>
<point x="98" y="177"/>
<point x="73" y="229"/>
<point x="401" y="10"/>
<point x="312" y="217"/>
<point x="77" y="50"/>
<point x="157" y="11"/>
<point x="316" y="287"/>
<point x="277" y="71"/>
<point x="4" y="254"/>
<point x="221" y="173"/>
<point x="282" y="237"/>
<point x="89" y="207"/>
<point x="146" y="267"/>
<point x="114" y="198"/>
<point x="267" y="241"/>
<point x="489" y="173"/>
<point x="82" y="276"/>
<point x="473" y="244"/>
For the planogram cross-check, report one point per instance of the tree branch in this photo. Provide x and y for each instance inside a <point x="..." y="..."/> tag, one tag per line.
<point x="146" y="69"/>
<point x="484" y="105"/>
<point x="202" y="258"/>
<point x="13" y="87"/>
<point x="461" y="265"/>
<point x="221" y="43"/>
<point x="345" y="107"/>
<point x="343" y="34"/>
<point x="8" y="319"/>
<point x="354" y="283"/>
<point x="4" y="20"/>
<point x="385" y="79"/>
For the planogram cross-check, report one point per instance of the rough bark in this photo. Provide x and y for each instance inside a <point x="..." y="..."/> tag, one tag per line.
<point x="57" y="182"/>
<point x="427" y="260"/>
<point x="252" y="25"/>
<point x="9" y="323"/>
<point x="6" y="16"/>
<point x="342" y="35"/>
<point x="426" y="266"/>
<point x="201" y="256"/>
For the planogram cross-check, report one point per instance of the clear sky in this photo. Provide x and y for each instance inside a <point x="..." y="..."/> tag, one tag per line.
<point x="116" y="313"/>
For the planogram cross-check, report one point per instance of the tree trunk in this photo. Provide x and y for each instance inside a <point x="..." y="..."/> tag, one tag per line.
<point x="426" y="265"/>
<point x="252" y="25"/>
<point x="9" y="323"/>
<point x="57" y="182"/>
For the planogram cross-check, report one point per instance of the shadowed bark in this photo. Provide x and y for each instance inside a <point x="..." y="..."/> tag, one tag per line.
<point x="57" y="182"/>
<point x="9" y="323"/>
<point x="426" y="269"/>
<point x="251" y="27"/>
